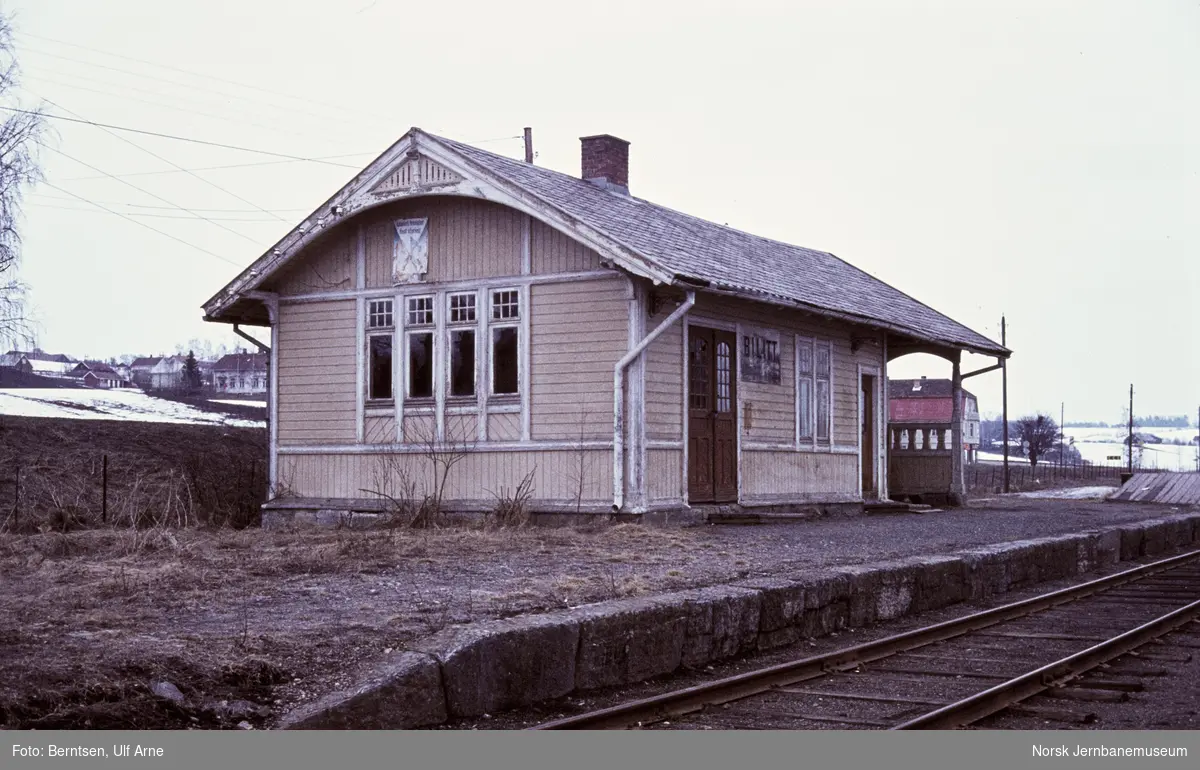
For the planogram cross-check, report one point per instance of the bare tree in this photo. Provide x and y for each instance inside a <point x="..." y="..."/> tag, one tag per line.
<point x="20" y="133"/>
<point x="1038" y="435"/>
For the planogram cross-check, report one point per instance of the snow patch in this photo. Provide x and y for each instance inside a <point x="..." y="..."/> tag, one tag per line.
<point x="129" y="405"/>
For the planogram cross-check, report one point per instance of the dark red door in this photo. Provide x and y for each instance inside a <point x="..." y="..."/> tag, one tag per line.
<point x="712" y="416"/>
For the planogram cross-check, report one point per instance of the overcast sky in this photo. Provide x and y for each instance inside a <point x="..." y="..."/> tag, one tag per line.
<point x="1031" y="159"/>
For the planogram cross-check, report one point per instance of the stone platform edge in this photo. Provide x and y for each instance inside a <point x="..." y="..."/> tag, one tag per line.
<point x="490" y="666"/>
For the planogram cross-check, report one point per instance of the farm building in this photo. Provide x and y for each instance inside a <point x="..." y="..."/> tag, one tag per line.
<point x="96" y="374"/>
<point x="241" y="373"/>
<point x="913" y="404"/>
<point x="626" y="356"/>
<point x="16" y="361"/>
<point x="141" y="368"/>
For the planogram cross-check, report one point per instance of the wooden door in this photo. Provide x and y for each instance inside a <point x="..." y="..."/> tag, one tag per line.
<point x="712" y="416"/>
<point x="870" y="486"/>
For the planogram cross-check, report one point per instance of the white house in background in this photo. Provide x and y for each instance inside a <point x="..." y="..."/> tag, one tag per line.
<point x="242" y="373"/>
<point x="167" y="373"/>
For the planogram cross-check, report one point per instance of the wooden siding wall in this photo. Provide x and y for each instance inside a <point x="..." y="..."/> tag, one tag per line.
<point x="555" y="474"/>
<point x="664" y="482"/>
<point x="505" y="426"/>
<point x="379" y="430"/>
<point x="664" y="380"/>
<point x="553" y="252"/>
<point x="468" y="238"/>
<point x="316" y="349"/>
<point x="579" y="331"/>
<point x="328" y="265"/>
<point x="774" y="410"/>
<point x="769" y="476"/>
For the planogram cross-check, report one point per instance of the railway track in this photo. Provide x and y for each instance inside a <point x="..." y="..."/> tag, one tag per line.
<point x="1063" y="647"/>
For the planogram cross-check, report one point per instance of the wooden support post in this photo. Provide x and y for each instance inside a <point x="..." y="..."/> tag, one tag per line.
<point x="958" y="493"/>
<point x="1131" y="427"/>
<point x="104" y="490"/>
<point x="17" y="499"/>
<point x="1004" y="399"/>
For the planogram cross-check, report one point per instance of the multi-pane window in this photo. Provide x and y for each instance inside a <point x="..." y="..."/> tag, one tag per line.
<point x="814" y="383"/>
<point x="379" y="314"/>
<point x="804" y="389"/>
<point x="462" y="346"/>
<point x="505" y="342"/>
<point x="462" y="308"/>
<point x="420" y="311"/>
<point x="823" y="392"/>
<point x="419" y="348"/>
<point x="379" y="349"/>
<point x="506" y="305"/>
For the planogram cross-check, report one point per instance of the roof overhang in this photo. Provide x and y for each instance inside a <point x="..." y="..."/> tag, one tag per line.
<point x="921" y="342"/>
<point x="235" y="304"/>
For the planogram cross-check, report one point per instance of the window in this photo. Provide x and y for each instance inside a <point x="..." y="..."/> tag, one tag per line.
<point x="462" y="308"/>
<point x="420" y="365"/>
<point x="804" y="389"/>
<point x="379" y="367"/>
<point x="824" y="390"/>
<point x="379" y="350"/>
<point x="504" y="361"/>
<point x="420" y="311"/>
<point x="506" y="305"/>
<point x="379" y="314"/>
<point x="461" y="346"/>
<point x="505" y="341"/>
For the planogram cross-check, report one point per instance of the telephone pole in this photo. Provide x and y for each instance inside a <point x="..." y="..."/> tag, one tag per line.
<point x="1004" y="398"/>
<point x="1131" y="427"/>
<point x="1062" y="433"/>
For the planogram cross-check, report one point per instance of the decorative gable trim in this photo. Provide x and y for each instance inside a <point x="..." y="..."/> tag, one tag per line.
<point x="385" y="180"/>
<point x="417" y="173"/>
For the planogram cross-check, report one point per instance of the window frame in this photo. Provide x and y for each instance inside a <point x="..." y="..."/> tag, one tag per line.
<point x="449" y="329"/>
<point x="514" y="322"/>
<point x="413" y="328"/>
<point x="808" y="431"/>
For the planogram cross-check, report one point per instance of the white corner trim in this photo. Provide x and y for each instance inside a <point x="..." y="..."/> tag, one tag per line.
<point x="360" y="259"/>
<point x="359" y="368"/>
<point x="524" y="362"/>
<point x="683" y="482"/>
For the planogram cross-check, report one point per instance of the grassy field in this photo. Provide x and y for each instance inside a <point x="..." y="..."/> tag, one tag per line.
<point x="52" y="474"/>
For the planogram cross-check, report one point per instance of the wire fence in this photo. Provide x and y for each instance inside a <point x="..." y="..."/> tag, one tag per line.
<point x="202" y="490"/>
<point x="990" y="474"/>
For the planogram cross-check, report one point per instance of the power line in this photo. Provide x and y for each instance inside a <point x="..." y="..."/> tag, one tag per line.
<point x="218" y="168"/>
<point x="174" y="164"/>
<point x="161" y="105"/>
<point x="148" y="206"/>
<point x="143" y="224"/>
<point x="309" y="100"/>
<point x="150" y="216"/>
<point x="172" y="136"/>
<point x="152" y="195"/>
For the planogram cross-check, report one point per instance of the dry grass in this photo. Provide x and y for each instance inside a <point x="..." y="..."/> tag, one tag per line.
<point x="122" y="608"/>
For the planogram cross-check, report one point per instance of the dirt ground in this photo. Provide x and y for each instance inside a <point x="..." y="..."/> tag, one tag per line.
<point x="91" y="620"/>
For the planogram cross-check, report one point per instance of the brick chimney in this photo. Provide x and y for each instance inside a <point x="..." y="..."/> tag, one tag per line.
<point x="606" y="162"/>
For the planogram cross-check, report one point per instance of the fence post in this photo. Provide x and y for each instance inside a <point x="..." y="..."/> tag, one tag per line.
<point x="17" y="499"/>
<point x="104" y="491"/>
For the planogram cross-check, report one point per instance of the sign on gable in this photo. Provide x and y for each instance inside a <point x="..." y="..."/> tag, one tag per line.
<point x="410" y="252"/>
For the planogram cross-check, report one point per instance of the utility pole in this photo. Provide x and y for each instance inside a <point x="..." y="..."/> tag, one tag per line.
<point x="1004" y="398"/>
<point x="528" y="144"/>
<point x="1062" y="433"/>
<point x="1131" y="427"/>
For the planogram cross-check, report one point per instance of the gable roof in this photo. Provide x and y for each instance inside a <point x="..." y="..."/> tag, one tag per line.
<point x="242" y="362"/>
<point x="649" y="239"/>
<point x="923" y="388"/>
<point x="146" y="362"/>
